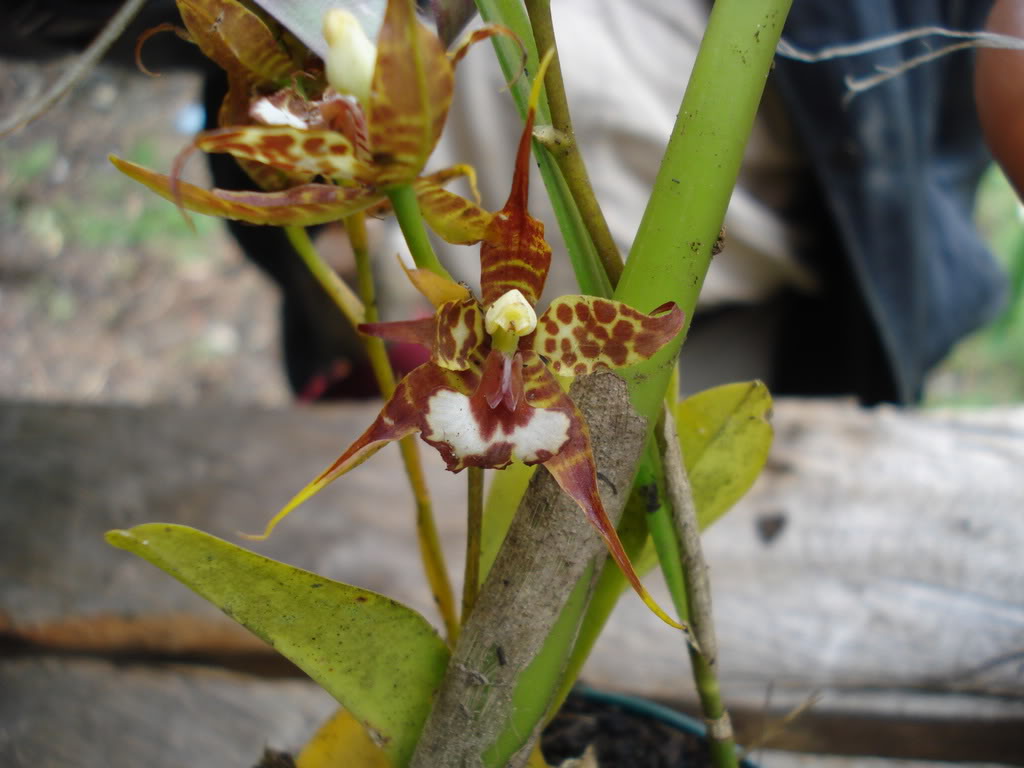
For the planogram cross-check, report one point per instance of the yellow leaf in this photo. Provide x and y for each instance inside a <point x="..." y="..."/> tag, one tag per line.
<point x="342" y="741"/>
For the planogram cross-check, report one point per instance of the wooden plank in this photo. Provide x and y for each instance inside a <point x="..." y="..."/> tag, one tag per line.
<point x="875" y="562"/>
<point x="80" y="713"/>
<point x="896" y="566"/>
<point x="76" y="713"/>
<point x="69" y="473"/>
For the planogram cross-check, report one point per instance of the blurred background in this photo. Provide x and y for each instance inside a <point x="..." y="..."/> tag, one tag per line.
<point x="106" y="294"/>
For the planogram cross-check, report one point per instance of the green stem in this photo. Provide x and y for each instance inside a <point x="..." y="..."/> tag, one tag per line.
<point x="672" y="248"/>
<point x="474" y="519"/>
<point x="659" y="522"/>
<point x="431" y="554"/>
<point x="346" y="300"/>
<point x="407" y="211"/>
<point x="564" y="148"/>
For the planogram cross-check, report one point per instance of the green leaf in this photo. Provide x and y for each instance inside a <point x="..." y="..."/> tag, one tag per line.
<point x="725" y="435"/>
<point x="380" y="659"/>
<point x="503" y="497"/>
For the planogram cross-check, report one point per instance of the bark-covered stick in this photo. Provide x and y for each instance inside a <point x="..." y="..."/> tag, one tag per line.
<point x="698" y="596"/>
<point x="546" y="551"/>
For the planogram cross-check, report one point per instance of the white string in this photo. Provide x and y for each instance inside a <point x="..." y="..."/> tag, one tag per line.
<point x="857" y="85"/>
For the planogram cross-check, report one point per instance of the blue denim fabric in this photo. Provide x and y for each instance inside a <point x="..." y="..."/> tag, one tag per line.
<point x="899" y="166"/>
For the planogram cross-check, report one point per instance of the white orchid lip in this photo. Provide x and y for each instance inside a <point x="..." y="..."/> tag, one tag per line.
<point x="511" y="313"/>
<point x="351" y="56"/>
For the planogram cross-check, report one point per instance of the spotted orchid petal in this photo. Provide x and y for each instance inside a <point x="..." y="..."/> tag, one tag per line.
<point x="402" y="415"/>
<point x="469" y="432"/>
<point x="419" y="331"/>
<point x="455" y="219"/>
<point x="459" y="334"/>
<point x="292" y="150"/>
<point x="409" y="97"/>
<point x="452" y="217"/>
<point x="582" y="334"/>
<point x="238" y="39"/>
<point x="300" y="206"/>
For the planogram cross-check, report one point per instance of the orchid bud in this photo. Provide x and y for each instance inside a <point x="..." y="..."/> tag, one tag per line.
<point x="511" y="313"/>
<point x="351" y="57"/>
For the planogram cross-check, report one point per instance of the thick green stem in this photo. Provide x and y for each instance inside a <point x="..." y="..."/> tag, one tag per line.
<point x="672" y="249"/>
<point x="474" y="527"/>
<point x="564" y="148"/>
<point x="407" y="211"/>
<point x="431" y="554"/>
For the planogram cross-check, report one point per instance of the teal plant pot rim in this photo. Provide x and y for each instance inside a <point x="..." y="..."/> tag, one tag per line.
<point x="646" y="708"/>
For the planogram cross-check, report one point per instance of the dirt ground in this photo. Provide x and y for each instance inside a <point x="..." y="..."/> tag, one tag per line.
<point x="105" y="293"/>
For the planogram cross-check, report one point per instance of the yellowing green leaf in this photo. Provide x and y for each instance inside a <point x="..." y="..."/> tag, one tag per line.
<point x="380" y="659"/>
<point x="725" y="435"/>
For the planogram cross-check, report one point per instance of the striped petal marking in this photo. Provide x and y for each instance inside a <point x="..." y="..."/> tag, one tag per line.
<point x="302" y="206"/>
<point x="514" y="254"/>
<point x="459" y="334"/>
<point x="410" y="95"/>
<point x="294" y="150"/>
<point x="582" y="334"/>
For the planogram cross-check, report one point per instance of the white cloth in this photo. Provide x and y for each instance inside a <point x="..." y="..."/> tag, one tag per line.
<point x="625" y="65"/>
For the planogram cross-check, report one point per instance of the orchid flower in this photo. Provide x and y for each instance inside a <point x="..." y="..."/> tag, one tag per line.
<point x="373" y="125"/>
<point x="488" y="396"/>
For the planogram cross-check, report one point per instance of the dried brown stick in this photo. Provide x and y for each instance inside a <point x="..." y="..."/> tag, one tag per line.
<point x="547" y="549"/>
<point x="79" y="68"/>
<point x="698" y="594"/>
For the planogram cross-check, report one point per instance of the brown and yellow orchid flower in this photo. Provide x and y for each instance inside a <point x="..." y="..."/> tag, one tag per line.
<point x="373" y="128"/>
<point x="488" y="395"/>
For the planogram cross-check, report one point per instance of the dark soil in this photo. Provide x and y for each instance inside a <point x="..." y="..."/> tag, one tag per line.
<point x="621" y="739"/>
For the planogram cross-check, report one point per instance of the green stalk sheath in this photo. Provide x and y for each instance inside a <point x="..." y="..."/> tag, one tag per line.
<point x="474" y="527"/>
<point x="672" y="249"/>
<point x="564" y="148"/>
<point x="407" y="211"/>
<point x="590" y="274"/>
<point x="651" y="475"/>
<point x="431" y="553"/>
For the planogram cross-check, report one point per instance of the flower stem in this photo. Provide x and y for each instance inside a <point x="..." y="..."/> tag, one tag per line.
<point x="343" y="296"/>
<point x="474" y="519"/>
<point x="407" y="211"/>
<point x="564" y="148"/>
<point x="426" y="528"/>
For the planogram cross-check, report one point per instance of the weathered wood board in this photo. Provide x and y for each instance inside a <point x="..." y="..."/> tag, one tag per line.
<point x="63" y="713"/>
<point x="80" y="713"/>
<point x="70" y="473"/>
<point x="877" y="561"/>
